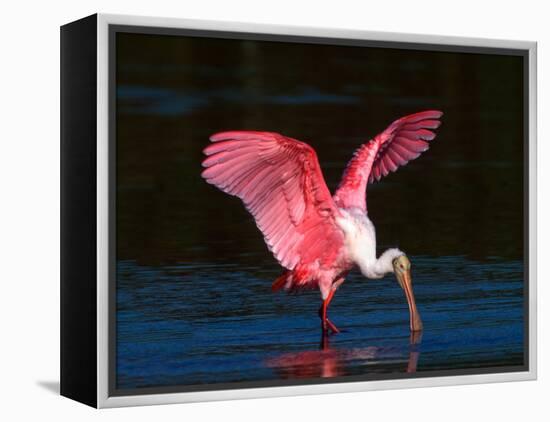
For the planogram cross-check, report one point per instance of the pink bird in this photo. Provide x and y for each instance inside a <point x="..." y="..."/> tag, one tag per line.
<point x="316" y="237"/>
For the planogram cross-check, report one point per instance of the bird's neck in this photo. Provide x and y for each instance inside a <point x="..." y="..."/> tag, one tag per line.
<point x="360" y="240"/>
<point x="383" y="265"/>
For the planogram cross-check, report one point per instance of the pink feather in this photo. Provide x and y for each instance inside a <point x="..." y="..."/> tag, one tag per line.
<point x="403" y="141"/>
<point x="280" y="182"/>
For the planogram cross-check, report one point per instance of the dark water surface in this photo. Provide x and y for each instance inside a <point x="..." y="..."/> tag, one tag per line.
<point x="206" y="323"/>
<point x="193" y="296"/>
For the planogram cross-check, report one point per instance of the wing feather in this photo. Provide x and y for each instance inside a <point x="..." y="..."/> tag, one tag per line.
<point x="403" y="141"/>
<point x="281" y="184"/>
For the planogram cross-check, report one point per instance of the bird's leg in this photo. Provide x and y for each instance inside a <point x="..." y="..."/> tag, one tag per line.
<point x="333" y="327"/>
<point x="323" y="316"/>
<point x="326" y="323"/>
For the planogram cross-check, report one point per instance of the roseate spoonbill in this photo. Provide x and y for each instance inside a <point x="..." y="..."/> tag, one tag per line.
<point x="316" y="237"/>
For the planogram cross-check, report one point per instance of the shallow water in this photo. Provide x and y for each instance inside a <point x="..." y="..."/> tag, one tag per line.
<point x="213" y="322"/>
<point x="193" y="297"/>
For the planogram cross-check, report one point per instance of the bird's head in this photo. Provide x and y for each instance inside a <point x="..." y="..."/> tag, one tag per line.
<point x="402" y="270"/>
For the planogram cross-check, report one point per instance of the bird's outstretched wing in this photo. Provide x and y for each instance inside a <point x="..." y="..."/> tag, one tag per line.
<point x="281" y="184"/>
<point x="403" y="141"/>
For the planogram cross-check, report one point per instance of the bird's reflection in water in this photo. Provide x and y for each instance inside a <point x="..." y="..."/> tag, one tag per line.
<point x="330" y="362"/>
<point x="414" y="351"/>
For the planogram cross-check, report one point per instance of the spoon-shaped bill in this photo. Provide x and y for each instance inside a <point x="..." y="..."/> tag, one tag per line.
<point x="405" y="281"/>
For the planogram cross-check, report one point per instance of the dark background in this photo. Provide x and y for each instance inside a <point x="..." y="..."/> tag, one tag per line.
<point x="457" y="210"/>
<point x="464" y="196"/>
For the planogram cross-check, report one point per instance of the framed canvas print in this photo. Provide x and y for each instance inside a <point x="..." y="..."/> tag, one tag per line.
<point x="252" y="210"/>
